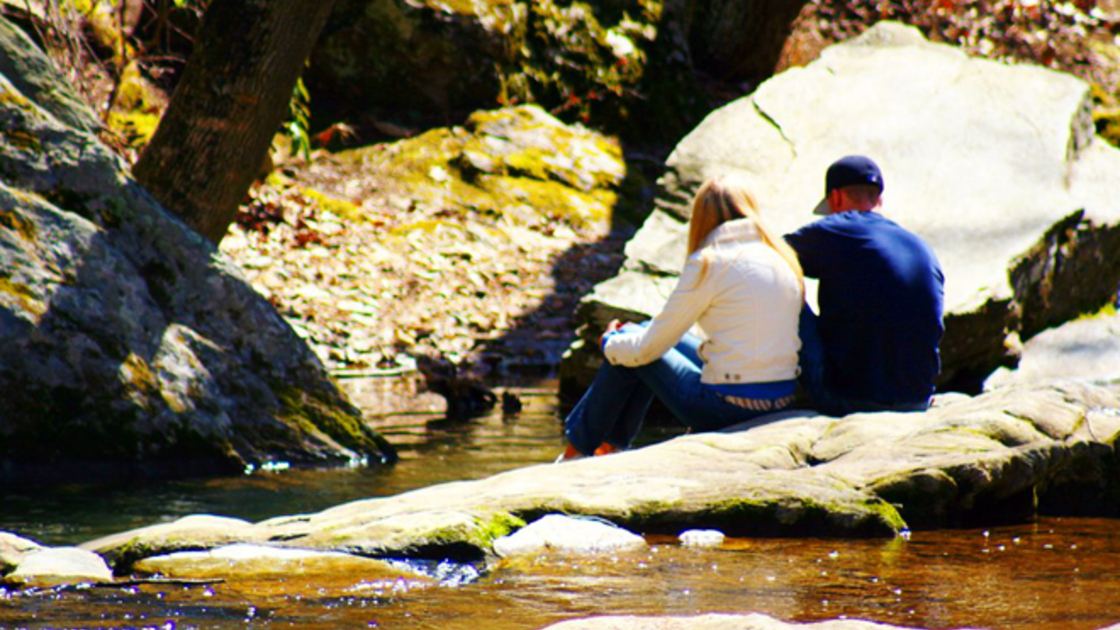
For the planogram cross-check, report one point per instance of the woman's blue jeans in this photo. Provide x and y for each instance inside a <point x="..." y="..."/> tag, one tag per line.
<point x="613" y="408"/>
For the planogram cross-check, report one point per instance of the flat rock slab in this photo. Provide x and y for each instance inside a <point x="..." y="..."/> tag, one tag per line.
<point x="966" y="461"/>
<point x="752" y="621"/>
<point x="996" y="166"/>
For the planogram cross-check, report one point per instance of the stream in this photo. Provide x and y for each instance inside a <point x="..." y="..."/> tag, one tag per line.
<point x="1056" y="573"/>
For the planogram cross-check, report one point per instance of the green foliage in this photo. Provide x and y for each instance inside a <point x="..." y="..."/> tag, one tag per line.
<point x="570" y="59"/>
<point x="298" y="126"/>
<point x="1106" y="113"/>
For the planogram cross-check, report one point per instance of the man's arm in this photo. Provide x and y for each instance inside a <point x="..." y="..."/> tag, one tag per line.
<point x="812" y="247"/>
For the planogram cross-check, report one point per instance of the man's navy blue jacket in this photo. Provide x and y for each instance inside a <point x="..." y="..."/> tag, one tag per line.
<point x="881" y="299"/>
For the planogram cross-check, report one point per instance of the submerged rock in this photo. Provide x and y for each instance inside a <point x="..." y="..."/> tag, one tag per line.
<point x="1004" y="456"/>
<point x="247" y="562"/>
<point x="128" y="345"/>
<point x="996" y="166"/>
<point x="714" y="621"/>
<point x="702" y="538"/>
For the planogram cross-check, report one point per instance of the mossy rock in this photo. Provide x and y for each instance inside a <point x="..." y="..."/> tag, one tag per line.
<point x="519" y="163"/>
<point x="129" y="347"/>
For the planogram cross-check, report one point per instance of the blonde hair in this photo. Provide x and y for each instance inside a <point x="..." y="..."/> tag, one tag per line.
<point x="721" y="199"/>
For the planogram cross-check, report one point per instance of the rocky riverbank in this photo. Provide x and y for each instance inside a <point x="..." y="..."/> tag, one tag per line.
<point x="1005" y="456"/>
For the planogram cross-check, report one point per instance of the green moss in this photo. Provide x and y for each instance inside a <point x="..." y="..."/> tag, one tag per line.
<point x="24" y="140"/>
<point x="139" y="381"/>
<point x="16" y="222"/>
<point x="480" y="534"/>
<point x="488" y="530"/>
<point x="1106" y="106"/>
<point x="22" y="294"/>
<point x="127" y="555"/>
<point x="1109" y="310"/>
<point x="341" y="208"/>
<point x="312" y="414"/>
<point x="792" y="516"/>
<point x="15" y="99"/>
<point x="551" y="200"/>
<point x="132" y="552"/>
<point x="136" y="128"/>
<point x="426" y="225"/>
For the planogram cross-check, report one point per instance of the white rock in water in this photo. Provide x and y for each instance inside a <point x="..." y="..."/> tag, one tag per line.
<point x="60" y="565"/>
<point x="702" y="538"/>
<point x="567" y="533"/>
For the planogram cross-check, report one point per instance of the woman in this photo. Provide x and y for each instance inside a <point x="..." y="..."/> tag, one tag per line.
<point x="744" y="288"/>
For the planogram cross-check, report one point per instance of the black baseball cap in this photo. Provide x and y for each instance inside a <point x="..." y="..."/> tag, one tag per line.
<point x="851" y="170"/>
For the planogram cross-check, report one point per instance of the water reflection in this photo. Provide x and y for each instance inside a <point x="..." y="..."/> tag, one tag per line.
<point x="1055" y="574"/>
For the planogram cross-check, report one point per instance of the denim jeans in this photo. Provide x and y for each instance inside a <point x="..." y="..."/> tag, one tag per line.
<point x="613" y="408"/>
<point x="811" y="360"/>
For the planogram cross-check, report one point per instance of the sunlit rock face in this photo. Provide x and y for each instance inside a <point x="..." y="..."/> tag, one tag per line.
<point x="996" y="166"/>
<point x="128" y="345"/>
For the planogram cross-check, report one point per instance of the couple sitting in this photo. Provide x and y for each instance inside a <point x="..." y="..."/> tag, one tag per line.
<point x="873" y="347"/>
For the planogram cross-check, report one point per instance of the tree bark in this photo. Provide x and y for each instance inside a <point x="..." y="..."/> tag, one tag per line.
<point x="231" y="100"/>
<point x="740" y="40"/>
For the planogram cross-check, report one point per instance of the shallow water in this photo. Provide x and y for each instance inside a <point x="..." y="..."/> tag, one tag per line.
<point x="1050" y="575"/>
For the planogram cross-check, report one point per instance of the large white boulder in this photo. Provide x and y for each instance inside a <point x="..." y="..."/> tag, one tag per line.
<point x="997" y="166"/>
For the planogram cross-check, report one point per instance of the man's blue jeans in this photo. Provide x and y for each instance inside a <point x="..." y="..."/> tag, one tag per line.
<point x="613" y="408"/>
<point x="811" y="359"/>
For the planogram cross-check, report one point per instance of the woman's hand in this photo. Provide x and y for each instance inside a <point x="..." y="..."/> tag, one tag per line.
<point x="611" y="327"/>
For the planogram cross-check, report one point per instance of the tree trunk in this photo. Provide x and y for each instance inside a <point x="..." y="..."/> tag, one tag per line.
<point x="740" y="40"/>
<point x="231" y="100"/>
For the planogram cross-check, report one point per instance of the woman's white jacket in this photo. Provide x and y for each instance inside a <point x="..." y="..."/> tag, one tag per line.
<point x="746" y="300"/>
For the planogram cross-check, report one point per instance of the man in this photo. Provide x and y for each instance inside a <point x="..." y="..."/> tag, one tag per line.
<point x="874" y="346"/>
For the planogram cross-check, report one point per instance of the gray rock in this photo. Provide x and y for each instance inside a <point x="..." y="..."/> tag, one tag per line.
<point x="1004" y="455"/>
<point x="996" y="166"/>
<point x="714" y="621"/>
<point x="32" y="74"/>
<point x="54" y="566"/>
<point x="128" y="344"/>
